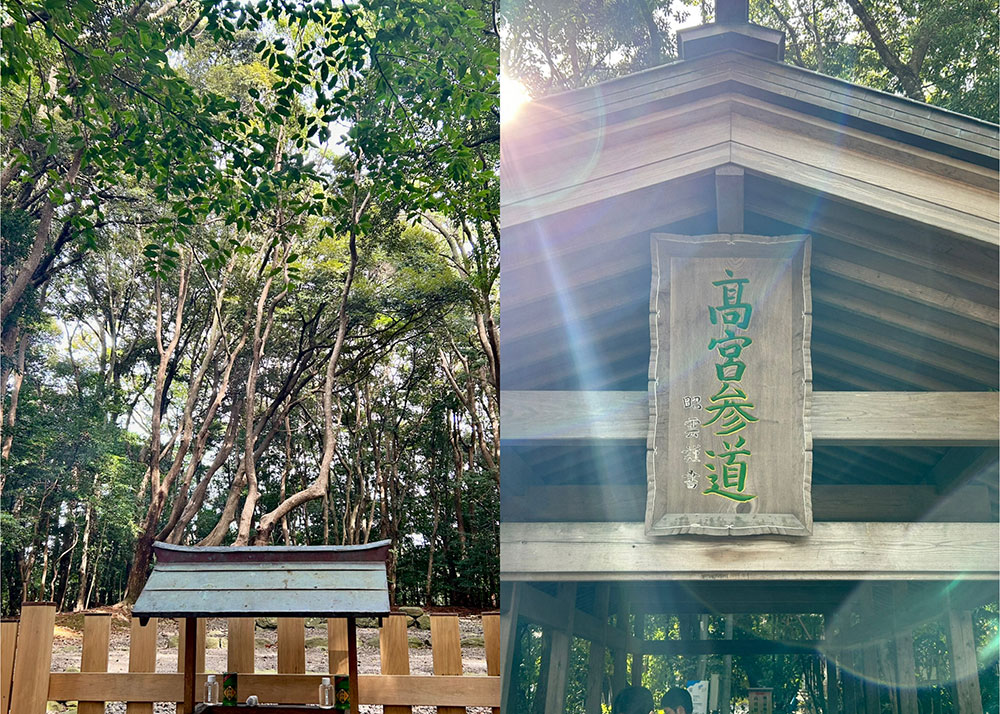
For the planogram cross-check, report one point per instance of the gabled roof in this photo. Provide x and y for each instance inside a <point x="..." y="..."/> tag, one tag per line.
<point x="685" y="118"/>
<point x="293" y="581"/>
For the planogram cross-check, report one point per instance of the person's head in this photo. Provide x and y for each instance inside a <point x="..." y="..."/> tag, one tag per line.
<point x="633" y="700"/>
<point x="677" y="701"/>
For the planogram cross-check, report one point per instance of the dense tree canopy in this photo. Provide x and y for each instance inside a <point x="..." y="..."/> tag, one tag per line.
<point x="944" y="53"/>
<point x="249" y="279"/>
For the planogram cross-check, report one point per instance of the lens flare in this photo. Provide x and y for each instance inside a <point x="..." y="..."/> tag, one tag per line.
<point x="513" y="96"/>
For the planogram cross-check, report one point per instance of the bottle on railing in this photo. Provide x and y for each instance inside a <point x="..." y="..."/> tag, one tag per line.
<point x="326" y="694"/>
<point x="211" y="690"/>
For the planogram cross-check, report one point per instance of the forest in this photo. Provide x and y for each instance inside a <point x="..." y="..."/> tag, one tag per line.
<point x="250" y="259"/>
<point x="942" y="53"/>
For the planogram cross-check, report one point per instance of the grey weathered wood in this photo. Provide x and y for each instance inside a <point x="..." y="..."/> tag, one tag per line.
<point x="963" y="659"/>
<point x="835" y="551"/>
<point x="585" y="502"/>
<point x="939" y="299"/>
<point x="729" y="199"/>
<point x="508" y="641"/>
<point x="595" y="657"/>
<point x="906" y="678"/>
<point x="776" y="378"/>
<point x="837" y="417"/>
<point x="562" y="641"/>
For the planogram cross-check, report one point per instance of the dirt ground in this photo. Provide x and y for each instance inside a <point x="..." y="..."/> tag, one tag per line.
<point x="68" y="644"/>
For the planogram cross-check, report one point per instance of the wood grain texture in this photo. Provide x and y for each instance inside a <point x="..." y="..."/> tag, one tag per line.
<point x="397" y="690"/>
<point x="183" y="649"/>
<point x="510" y="614"/>
<point x="963" y="660"/>
<point x="8" y="649"/>
<point x="596" y="656"/>
<point x="906" y="677"/>
<point x="291" y="645"/>
<point x="835" y="551"/>
<point x="491" y="642"/>
<point x="688" y="490"/>
<point x="939" y="299"/>
<point x="557" y="674"/>
<point x="446" y="651"/>
<point x="241" y="645"/>
<point x="187" y="663"/>
<point x="32" y="665"/>
<point x="336" y="644"/>
<point x="96" y="636"/>
<point x="142" y="658"/>
<point x="352" y="662"/>
<point x="932" y="418"/>
<point x="729" y="205"/>
<point x="394" y="652"/>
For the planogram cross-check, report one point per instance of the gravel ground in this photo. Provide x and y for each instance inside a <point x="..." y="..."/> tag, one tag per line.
<point x="68" y="645"/>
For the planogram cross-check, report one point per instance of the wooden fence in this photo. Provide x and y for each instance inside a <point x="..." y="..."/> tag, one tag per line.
<point x="27" y="684"/>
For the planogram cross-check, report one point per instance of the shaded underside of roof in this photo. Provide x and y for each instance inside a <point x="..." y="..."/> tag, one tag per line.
<point x="275" y="581"/>
<point x="896" y="307"/>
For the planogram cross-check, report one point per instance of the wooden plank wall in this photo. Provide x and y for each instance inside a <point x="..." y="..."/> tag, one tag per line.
<point x="26" y="678"/>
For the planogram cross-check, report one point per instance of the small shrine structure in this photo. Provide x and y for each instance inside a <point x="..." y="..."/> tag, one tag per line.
<point x="271" y="581"/>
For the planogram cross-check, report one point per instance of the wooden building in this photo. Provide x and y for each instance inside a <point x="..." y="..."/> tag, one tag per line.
<point x="898" y="367"/>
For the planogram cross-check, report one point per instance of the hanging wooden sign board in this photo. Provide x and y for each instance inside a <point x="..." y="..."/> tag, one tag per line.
<point x="729" y="447"/>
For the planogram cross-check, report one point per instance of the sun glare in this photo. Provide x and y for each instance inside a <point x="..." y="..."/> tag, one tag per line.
<point x="513" y="96"/>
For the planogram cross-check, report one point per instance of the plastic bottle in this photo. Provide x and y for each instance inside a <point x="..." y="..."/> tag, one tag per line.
<point x="211" y="690"/>
<point x="326" y="694"/>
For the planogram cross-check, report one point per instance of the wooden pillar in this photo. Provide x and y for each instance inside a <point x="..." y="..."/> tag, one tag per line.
<point x="702" y="635"/>
<point x="906" y="669"/>
<point x="33" y="663"/>
<point x="291" y="645"/>
<point x="491" y="642"/>
<point x="834" y="698"/>
<point x="190" y="662"/>
<point x="869" y="653"/>
<point x="964" y="669"/>
<point x="240" y="651"/>
<point x="508" y="643"/>
<point x="336" y="645"/>
<point x="352" y="663"/>
<point x="620" y="654"/>
<point x="8" y="636"/>
<point x="852" y="698"/>
<point x="562" y="641"/>
<point x="142" y="656"/>
<point x="726" y="696"/>
<point x="638" y="658"/>
<point x="538" y="701"/>
<point x="595" y="663"/>
<point x="183" y="635"/>
<point x="446" y="651"/>
<point x="394" y="653"/>
<point x="96" y="637"/>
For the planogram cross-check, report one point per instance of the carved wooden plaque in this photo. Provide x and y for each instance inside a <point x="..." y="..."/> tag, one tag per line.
<point x="729" y="447"/>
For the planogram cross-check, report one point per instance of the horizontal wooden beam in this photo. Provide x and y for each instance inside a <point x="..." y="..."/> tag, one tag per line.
<point x="834" y="551"/>
<point x="280" y="688"/>
<point x="730" y="647"/>
<point x="585" y="502"/>
<point x="929" y="418"/>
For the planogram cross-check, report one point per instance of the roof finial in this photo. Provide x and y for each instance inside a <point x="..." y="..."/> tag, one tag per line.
<point x="731" y="30"/>
<point x="732" y="12"/>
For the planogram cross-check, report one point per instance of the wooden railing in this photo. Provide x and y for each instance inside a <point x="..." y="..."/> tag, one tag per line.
<point x="27" y="682"/>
